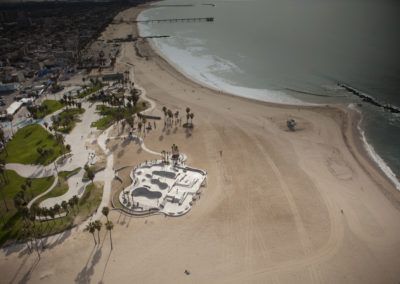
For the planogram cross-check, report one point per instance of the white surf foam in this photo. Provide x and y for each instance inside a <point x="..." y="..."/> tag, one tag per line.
<point x="209" y="70"/>
<point x="375" y="156"/>
<point x="206" y="68"/>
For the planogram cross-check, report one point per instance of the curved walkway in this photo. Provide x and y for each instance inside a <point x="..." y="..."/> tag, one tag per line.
<point x="44" y="193"/>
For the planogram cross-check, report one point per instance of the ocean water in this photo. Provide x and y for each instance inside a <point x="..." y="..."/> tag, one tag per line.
<point x="294" y="52"/>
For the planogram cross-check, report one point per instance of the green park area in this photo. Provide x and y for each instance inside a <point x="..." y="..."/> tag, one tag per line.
<point x="66" y="120"/>
<point x="47" y="107"/>
<point x="32" y="145"/>
<point x="90" y="90"/>
<point x="111" y="114"/>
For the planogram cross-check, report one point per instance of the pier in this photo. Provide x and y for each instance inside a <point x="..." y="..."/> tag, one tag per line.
<point x="154" y="36"/>
<point x="174" y="5"/>
<point x="176" y="20"/>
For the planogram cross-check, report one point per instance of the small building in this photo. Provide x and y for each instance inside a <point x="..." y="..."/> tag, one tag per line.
<point x="14" y="107"/>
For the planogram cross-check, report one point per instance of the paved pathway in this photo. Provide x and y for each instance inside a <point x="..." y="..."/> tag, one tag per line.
<point x="106" y="176"/>
<point x="44" y="193"/>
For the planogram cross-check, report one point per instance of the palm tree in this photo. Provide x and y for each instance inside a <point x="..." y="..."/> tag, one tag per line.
<point x="109" y="226"/>
<point x="90" y="173"/>
<point x="57" y="209"/>
<point x="140" y="126"/>
<point x="24" y="188"/>
<point x="191" y="118"/>
<point x="71" y="204"/>
<point x="163" y="155"/>
<point x="144" y="120"/>
<point x="164" y="109"/>
<point x="75" y="199"/>
<point x="170" y="115"/>
<point x="91" y="229"/>
<point x="2" y="172"/>
<point x="51" y="213"/>
<point x="24" y="211"/>
<point x="32" y="218"/>
<point x="135" y="95"/>
<point x="64" y="206"/>
<point x="60" y="138"/>
<point x="18" y="201"/>
<point x="28" y="182"/>
<point x="97" y="225"/>
<point x="176" y="116"/>
<point x="105" y="211"/>
<point x="3" y="140"/>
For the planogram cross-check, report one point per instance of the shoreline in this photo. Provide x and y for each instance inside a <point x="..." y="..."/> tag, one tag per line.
<point x="355" y="142"/>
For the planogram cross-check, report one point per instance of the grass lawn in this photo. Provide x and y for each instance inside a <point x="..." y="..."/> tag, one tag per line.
<point x="10" y="221"/>
<point x="47" y="107"/>
<point x="67" y="119"/>
<point x="23" y="146"/>
<point x="52" y="106"/>
<point x="103" y="123"/>
<point x="111" y="114"/>
<point x="90" y="90"/>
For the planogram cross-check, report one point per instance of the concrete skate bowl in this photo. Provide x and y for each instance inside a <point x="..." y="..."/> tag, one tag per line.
<point x="161" y="185"/>
<point x="144" y="192"/>
<point x="164" y="174"/>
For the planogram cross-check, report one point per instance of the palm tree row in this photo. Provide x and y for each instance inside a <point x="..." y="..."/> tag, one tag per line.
<point x="96" y="225"/>
<point x="4" y="180"/>
<point x="3" y="140"/>
<point x="70" y="101"/>
<point x="170" y="118"/>
<point x="71" y="205"/>
<point x="32" y="230"/>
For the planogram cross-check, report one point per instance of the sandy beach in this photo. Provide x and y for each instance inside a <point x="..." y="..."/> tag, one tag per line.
<point x="307" y="206"/>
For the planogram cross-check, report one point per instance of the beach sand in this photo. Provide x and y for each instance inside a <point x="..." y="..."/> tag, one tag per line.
<point x="279" y="207"/>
